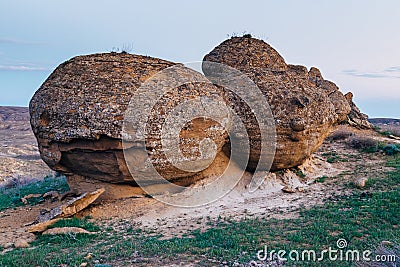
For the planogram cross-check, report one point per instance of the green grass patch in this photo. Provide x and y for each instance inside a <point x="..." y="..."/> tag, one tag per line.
<point x="11" y="197"/>
<point x="77" y="222"/>
<point x="363" y="219"/>
<point x="299" y="173"/>
<point x="321" y="179"/>
<point x="333" y="156"/>
<point x="385" y="133"/>
<point x="391" y="149"/>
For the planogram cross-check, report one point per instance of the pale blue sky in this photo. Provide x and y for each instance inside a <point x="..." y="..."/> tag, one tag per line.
<point x="354" y="43"/>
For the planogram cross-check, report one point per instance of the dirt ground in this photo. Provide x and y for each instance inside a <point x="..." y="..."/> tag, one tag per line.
<point x="20" y="161"/>
<point x="269" y="200"/>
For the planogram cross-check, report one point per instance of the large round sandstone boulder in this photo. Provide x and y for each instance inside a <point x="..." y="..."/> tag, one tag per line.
<point x="304" y="105"/>
<point x="77" y="116"/>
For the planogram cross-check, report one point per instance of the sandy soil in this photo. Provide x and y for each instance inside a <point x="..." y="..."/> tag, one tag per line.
<point x="268" y="201"/>
<point x="20" y="161"/>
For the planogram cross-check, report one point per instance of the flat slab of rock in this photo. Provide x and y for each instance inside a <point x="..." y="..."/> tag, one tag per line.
<point x="27" y="197"/>
<point x="66" y="230"/>
<point x="68" y="210"/>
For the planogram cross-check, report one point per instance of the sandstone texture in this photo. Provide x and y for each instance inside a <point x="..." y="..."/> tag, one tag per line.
<point x="80" y="113"/>
<point x="305" y="105"/>
<point x="66" y="230"/>
<point x="356" y="117"/>
<point x="77" y="116"/>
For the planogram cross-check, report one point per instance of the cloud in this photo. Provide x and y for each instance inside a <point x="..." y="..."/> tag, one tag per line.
<point x="393" y="69"/>
<point x="22" y="68"/>
<point x="6" y="40"/>
<point x="390" y="73"/>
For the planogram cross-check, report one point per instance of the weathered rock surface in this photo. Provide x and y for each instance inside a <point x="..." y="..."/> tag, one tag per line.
<point x="305" y="106"/>
<point x="77" y="116"/>
<point x="356" y="117"/>
<point x="21" y="243"/>
<point x="335" y="96"/>
<point x="69" y="209"/>
<point x="66" y="230"/>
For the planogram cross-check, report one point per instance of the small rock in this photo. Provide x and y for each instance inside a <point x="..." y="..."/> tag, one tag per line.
<point x="4" y="251"/>
<point x="300" y="189"/>
<point x="386" y="243"/>
<point x="25" y="198"/>
<point x="52" y="195"/>
<point x="298" y="125"/>
<point x="8" y="245"/>
<point x="66" y="230"/>
<point x="360" y="182"/>
<point x="89" y="256"/>
<point x="21" y="243"/>
<point x="288" y="189"/>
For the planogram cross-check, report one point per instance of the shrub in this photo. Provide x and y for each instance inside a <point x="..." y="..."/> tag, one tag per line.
<point x="299" y="173"/>
<point x="339" y="135"/>
<point x="386" y="133"/>
<point x="365" y="144"/>
<point x="321" y="179"/>
<point x="396" y="131"/>
<point x="391" y="149"/>
<point x="11" y="197"/>
<point x="332" y="157"/>
<point x="387" y="130"/>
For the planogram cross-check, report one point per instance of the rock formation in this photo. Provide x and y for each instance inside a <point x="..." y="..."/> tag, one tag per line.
<point x="335" y="96"/>
<point x="305" y="106"/>
<point x="77" y="116"/>
<point x="356" y="118"/>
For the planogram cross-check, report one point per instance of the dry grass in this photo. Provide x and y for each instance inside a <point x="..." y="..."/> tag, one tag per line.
<point x="364" y="143"/>
<point x="390" y="130"/>
<point x="339" y="135"/>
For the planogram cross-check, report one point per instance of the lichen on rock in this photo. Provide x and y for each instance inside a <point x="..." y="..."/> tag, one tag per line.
<point x="77" y="116"/>
<point x="304" y="105"/>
